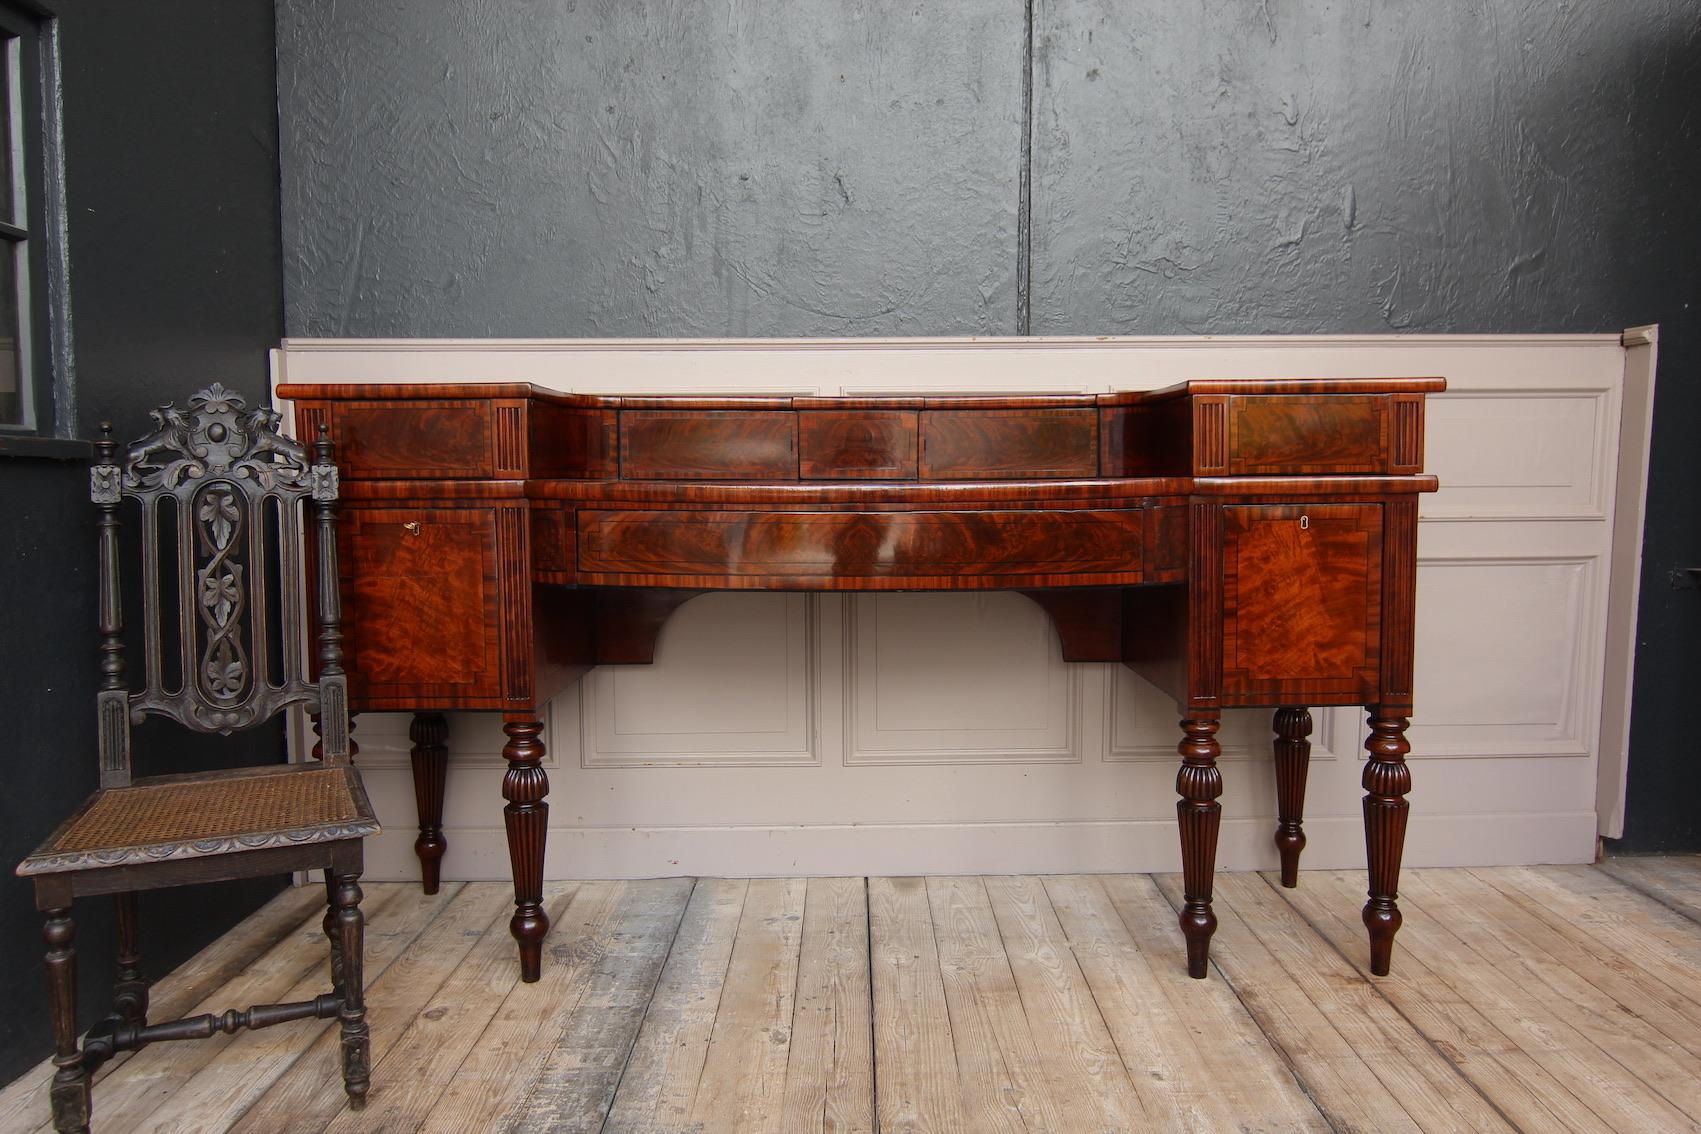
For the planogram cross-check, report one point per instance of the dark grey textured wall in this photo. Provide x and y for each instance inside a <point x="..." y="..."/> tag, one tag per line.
<point x="171" y="190"/>
<point x="804" y="168"/>
<point x="1365" y="166"/>
<point x="600" y="169"/>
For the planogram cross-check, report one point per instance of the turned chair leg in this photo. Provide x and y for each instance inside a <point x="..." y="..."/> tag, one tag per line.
<point x="130" y="991"/>
<point x="356" y="1042"/>
<point x="430" y="734"/>
<point x="332" y="932"/>
<point x="1198" y="815"/>
<point x="70" y="1089"/>
<point x="1293" y="759"/>
<point x="1387" y="779"/>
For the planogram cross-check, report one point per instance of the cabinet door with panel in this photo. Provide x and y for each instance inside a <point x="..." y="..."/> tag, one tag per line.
<point x="1302" y="603"/>
<point x="423" y="598"/>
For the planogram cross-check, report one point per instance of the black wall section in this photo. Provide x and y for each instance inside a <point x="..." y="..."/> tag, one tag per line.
<point x="794" y="167"/>
<point x="171" y="185"/>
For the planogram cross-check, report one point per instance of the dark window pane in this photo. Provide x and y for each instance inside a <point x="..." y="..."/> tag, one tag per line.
<point x="10" y="158"/>
<point x="11" y="391"/>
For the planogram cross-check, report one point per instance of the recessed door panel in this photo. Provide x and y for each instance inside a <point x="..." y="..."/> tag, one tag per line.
<point x="1302" y="609"/>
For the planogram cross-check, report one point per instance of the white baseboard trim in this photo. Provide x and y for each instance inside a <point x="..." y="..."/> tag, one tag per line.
<point x="1136" y="846"/>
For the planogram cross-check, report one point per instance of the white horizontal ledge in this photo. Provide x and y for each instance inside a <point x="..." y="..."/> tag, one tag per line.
<point x="979" y="342"/>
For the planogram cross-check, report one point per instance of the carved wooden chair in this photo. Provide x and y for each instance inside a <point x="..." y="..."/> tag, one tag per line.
<point x="221" y="497"/>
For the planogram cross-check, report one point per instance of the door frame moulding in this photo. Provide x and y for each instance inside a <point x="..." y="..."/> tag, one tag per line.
<point x="1624" y="591"/>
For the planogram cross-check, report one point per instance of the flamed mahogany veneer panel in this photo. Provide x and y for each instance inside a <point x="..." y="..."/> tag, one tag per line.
<point x="413" y="439"/>
<point x="848" y="550"/>
<point x="967" y="444"/>
<point x="1335" y="433"/>
<point x="1302" y="602"/>
<point x="863" y="444"/>
<point x="421" y="592"/>
<point x="708" y="444"/>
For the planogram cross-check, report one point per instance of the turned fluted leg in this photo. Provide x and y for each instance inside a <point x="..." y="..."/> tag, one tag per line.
<point x="1198" y="814"/>
<point x="130" y="991"/>
<point x="1387" y="779"/>
<point x="1293" y="759"/>
<point x="351" y="1013"/>
<point x="430" y="735"/>
<point x="70" y="1090"/>
<point x="524" y="786"/>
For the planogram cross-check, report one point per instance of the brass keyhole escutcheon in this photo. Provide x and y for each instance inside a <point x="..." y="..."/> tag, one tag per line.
<point x="1304" y="522"/>
<point x="412" y="527"/>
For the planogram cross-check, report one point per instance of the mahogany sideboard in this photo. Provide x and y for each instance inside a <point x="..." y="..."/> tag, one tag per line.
<point x="1236" y="542"/>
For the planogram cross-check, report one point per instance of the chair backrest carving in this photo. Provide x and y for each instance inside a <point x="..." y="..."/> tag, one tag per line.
<point x="221" y="494"/>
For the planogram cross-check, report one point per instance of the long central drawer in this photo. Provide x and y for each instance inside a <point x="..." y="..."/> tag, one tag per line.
<point x="859" y="444"/>
<point x="944" y="550"/>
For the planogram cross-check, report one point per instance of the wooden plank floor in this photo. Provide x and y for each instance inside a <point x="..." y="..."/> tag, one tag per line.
<point x="1529" y="999"/>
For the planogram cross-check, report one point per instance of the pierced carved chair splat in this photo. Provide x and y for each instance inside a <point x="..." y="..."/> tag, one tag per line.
<point x="224" y="502"/>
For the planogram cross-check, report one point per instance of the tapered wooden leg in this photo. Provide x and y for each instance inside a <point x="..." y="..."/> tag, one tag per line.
<point x="1293" y="759"/>
<point x="1198" y="814"/>
<point x="129" y="991"/>
<point x="430" y="734"/>
<point x="1387" y="779"/>
<point x="70" y="1090"/>
<point x="356" y="1042"/>
<point x="524" y="786"/>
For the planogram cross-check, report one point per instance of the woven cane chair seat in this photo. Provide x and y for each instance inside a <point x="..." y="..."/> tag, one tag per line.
<point x="170" y="817"/>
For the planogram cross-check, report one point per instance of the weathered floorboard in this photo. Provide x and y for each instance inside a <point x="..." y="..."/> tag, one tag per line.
<point x="1077" y="1058"/>
<point x="1238" y="1060"/>
<point x="1673" y="882"/>
<point x="1152" y="1032"/>
<point x="174" y="994"/>
<point x="915" y="1057"/>
<point x="998" y="1063"/>
<point x="666" y="1063"/>
<point x="579" y="1077"/>
<point x="830" y="1078"/>
<point x="304" y="1099"/>
<point x="1336" y="1074"/>
<point x="245" y="1065"/>
<point x="1551" y="999"/>
<point x="159" y="1071"/>
<point x="744" y="1073"/>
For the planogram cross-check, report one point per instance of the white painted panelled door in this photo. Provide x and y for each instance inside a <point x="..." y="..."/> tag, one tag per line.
<point x="943" y="733"/>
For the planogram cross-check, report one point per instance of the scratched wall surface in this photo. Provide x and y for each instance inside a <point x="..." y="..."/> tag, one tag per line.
<point x="823" y="168"/>
<point x="776" y="168"/>
<point x="1287" y="166"/>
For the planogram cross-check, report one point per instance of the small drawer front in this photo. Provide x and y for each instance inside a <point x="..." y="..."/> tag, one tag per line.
<point x="1292" y="433"/>
<point x="1009" y="444"/>
<point x="1302" y="603"/>
<point x="414" y="440"/>
<point x="844" y="550"/>
<point x="708" y="444"/>
<point x="857" y="444"/>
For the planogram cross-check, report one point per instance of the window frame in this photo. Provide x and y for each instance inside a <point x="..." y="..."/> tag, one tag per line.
<point x="29" y="33"/>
